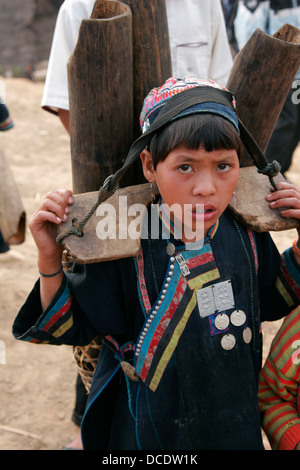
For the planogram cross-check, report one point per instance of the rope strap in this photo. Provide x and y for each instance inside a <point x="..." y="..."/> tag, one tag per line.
<point x="77" y="227"/>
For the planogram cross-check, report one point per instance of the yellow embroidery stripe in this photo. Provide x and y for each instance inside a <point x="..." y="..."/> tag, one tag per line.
<point x="198" y="281"/>
<point x="66" y="326"/>
<point x="284" y="292"/>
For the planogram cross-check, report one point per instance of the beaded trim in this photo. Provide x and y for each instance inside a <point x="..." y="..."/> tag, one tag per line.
<point x="157" y="306"/>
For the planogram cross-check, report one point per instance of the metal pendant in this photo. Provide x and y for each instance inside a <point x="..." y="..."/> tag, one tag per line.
<point x="182" y="264"/>
<point x="223" y="295"/>
<point x="228" y="342"/>
<point x="247" y="335"/>
<point x="221" y="321"/>
<point x="238" y="317"/>
<point x="170" y="249"/>
<point x="206" y="303"/>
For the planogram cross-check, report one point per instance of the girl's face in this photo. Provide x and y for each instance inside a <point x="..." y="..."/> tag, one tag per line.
<point x="198" y="184"/>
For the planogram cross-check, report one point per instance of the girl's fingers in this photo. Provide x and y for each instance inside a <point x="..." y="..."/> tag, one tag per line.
<point x="287" y="201"/>
<point x="61" y="196"/>
<point x="287" y="198"/>
<point x="291" y="213"/>
<point x="57" y="202"/>
<point x="67" y="195"/>
<point x="43" y="216"/>
<point x="281" y="193"/>
<point x="58" y="208"/>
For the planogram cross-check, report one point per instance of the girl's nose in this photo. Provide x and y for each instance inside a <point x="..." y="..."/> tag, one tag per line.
<point x="204" y="185"/>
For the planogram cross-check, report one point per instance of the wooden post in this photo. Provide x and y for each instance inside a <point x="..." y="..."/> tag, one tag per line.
<point x="261" y="77"/>
<point x="101" y="95"/>
<point x="152" y="64"/>
<point x="122" y="52"/>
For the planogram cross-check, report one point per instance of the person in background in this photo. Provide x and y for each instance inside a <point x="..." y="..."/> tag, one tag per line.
<point x="270" y="16"/>
<point x="229" y="10"/>
<point x="198" y="45"/>
<point x="279" y="387"/>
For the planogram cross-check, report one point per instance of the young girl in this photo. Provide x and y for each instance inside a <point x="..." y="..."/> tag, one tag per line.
<point x="184" y="315"/>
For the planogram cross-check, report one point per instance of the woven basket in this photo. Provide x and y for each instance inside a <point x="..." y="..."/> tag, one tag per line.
<point x="86" y="358"/>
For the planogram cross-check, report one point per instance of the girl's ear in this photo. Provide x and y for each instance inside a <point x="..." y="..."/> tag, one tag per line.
<point x="148" y="167"/>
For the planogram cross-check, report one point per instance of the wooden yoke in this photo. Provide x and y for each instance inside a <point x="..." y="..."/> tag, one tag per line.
<point x="12" y="212"/>
<point x="261" y="77"/>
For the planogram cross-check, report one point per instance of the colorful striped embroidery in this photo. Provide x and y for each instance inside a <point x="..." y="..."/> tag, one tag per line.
<point x="58" y="319"/>
<point x="142" y="283"/>
<point x="165" y="328"/>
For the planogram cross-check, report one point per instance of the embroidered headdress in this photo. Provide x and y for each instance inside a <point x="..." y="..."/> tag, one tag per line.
<point x="158" y="97"/>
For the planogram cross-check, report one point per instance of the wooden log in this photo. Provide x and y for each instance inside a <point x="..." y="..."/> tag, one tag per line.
<point x="260" y="79"/>
<point x="152" y="64"/>
<point x="116" y="56"/>
<point x="101" y="95"/>
<point x="12" y="213"/>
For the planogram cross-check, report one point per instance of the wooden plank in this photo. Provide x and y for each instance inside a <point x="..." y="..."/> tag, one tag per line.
<point x="250" y="207"/>
<point x="90" y="248"/>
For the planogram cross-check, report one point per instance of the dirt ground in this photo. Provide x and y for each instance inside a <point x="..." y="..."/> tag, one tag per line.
<point x="37" y="382"/>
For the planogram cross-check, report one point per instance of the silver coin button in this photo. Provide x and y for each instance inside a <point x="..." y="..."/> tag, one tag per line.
<point x="228" y="342"/>
<point x="238" y="317"/>
<point x="170" y="249"/>
<point x="247" y="335"/>
<point x="222" y="321"/>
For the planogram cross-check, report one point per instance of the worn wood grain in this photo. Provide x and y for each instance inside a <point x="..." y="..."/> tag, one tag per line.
<point x="250" y="207"/>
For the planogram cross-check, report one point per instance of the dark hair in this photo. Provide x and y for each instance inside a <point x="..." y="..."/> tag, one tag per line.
<point x="211" y="131"/>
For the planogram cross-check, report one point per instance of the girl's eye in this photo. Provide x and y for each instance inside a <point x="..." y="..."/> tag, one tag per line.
<point x="224" y="167"/>
<point x="185" y="168"/>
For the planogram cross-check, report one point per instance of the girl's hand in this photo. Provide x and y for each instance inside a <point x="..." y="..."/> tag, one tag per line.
<point x="43" y="224"/>
<point x="287" y="196"/>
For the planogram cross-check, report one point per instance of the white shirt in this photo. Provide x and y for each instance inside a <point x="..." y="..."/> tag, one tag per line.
<point x="198" y="44"/>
